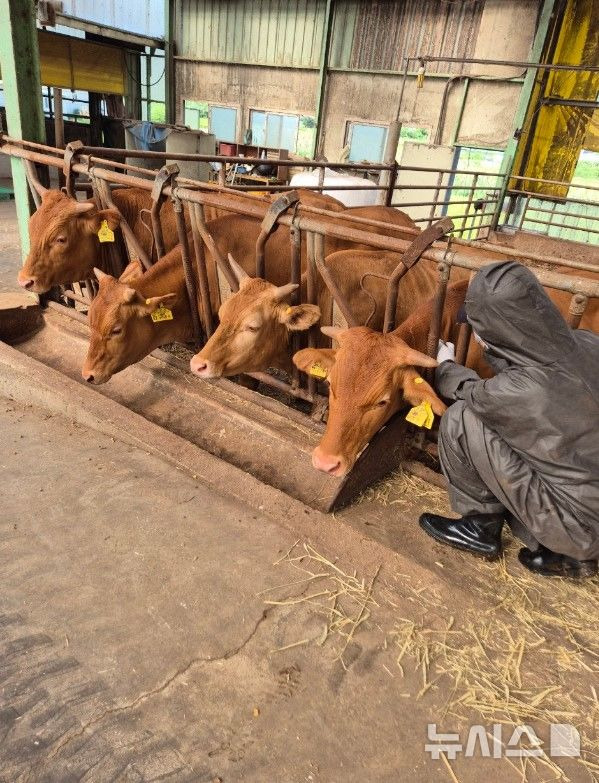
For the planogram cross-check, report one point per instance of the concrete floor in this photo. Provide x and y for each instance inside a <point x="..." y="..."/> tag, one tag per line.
<point x="9" y="246"/>
<point x="147" y="633"/>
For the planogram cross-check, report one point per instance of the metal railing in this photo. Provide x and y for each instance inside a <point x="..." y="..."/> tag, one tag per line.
<point x="315" y="224"/>
<point x="572" y="217"/>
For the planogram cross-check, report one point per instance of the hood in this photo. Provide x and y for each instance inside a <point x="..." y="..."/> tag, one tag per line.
<point x="511" y="312"/>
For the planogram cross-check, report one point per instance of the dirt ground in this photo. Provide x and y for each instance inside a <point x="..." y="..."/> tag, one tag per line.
<point x="159" y="625"/>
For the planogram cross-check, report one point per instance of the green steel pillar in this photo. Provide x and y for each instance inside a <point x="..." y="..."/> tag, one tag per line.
<point x="20" y="64"/>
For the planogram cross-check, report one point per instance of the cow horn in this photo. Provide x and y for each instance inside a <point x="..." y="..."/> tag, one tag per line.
<point x="100" y="275"/>
<point x="416" y="358"/>
<point x="238" y="270"/>
<point x="83" y="206"/>
<point x="283" y="291"/>
<point x="335" y="332"/>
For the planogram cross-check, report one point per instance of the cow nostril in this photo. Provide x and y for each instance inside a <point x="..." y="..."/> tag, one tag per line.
<point x="334" y="468"/>
<point x="200" y="367"/>
<point x="28" y="283"/>
<point x="89" y="378"/>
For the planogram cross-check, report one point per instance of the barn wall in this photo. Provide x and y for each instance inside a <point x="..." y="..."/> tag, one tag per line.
<point x="246" y="87"/>
<point x="366" y="36"/>
<point x="144" y="17"/>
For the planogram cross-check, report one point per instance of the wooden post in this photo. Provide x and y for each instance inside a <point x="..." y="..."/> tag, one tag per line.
<point x="19" y="61"/>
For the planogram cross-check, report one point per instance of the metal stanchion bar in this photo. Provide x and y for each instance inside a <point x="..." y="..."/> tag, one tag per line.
<point x="437" y="317"/>
<point x="106" y="196"/>
<point x="198" y="246"/>
<point x="552" y="224"/>
<point x="295" y="238"/>
<point x="463" y="343"/>
<point x="226" y="201"/>
<point x="311" y="294"/>
<point x="190" y="285"/>
<point x="578" y="305"/>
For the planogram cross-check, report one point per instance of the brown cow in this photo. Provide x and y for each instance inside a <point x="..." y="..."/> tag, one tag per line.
<point x="364" y="367"/>
<point x="117" y="312"/>
<point x="235" y="234"/>
<point x="254" y="330"/>
<point x="63" y="235"/>
<point x="371" y="376"/>
<point x="232" y="350"/>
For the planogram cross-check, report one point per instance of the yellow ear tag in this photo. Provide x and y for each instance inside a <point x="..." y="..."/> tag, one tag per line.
<point x="318" y="371"/>
<point x="422" y="415"/>
<point x="161" y="313"/>
<point x="418" y="379"/>
<point x="288" y="309"/>
<point x="105" y="233"/>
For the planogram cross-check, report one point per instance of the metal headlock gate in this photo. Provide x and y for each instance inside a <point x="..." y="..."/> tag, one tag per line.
<point x="189" y="200"/>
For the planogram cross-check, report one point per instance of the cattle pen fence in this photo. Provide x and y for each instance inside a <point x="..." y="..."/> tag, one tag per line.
<point x="305" y="222"/>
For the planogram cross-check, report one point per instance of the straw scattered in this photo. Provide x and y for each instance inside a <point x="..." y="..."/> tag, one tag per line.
<point x="524" y="650"/>
<point x="343" y="601"/>
<point x="514" y="662"/>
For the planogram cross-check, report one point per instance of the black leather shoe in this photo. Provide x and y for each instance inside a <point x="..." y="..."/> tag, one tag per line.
<point x="476" y="533"/>
<point x="548" y="563"/>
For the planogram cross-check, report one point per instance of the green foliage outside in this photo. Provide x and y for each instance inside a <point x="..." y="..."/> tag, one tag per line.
<point x="157" y="112"/>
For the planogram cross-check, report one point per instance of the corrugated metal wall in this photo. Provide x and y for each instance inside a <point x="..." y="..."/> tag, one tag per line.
<point x="367" y="34"/>
<point x="145" y="17"/>
<point x="378" y="34"/>
<point x="265" y="32"/>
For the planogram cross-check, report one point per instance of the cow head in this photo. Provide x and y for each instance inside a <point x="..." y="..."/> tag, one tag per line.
<point x="254" y="329"/>
<point x="371" y="376"/>
<point x="64" y="244"/>
<point x="121" y="330"/>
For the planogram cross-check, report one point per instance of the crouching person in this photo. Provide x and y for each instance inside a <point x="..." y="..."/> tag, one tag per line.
<point x="523" y="446"/>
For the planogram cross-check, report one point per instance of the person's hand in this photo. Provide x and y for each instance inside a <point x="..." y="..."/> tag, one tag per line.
<point x="445" y="352"/>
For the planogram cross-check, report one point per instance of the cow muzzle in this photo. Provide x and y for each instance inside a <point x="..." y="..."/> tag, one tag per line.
<point x="93" y="376"/>
<point x="333" y="464"/>
<point x="30" y="284"/>
<point x="203" y="368"/>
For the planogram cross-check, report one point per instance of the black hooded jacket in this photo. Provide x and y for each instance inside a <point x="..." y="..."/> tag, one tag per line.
<point x="545" y="402"/>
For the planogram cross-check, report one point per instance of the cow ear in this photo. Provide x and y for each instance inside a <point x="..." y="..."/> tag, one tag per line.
<point x="102" y="276"/>
<point x="154" y="302"/>
<point x="417" y="390"/>
<point x="298" y="318"/>
<point x="111" y="216"/>
<point x="317" y="362"/>
<point x="132" y="271"/>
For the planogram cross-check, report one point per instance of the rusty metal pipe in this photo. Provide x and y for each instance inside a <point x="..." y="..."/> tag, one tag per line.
<point x="337" y="295"/>
<point x="281" y="385"/>
<point x="437" y="317"/>
<point x="392" y="291"/>
<point x="190" y="285"/>
<point x="130" y="237"/>
<point x="200" y="256"/>
<point x="260" y="260"/>
<point x="576" y="310"/>
<point x="157" y="229"/>
<point x="225" y="201"/>
<point x="463" y="343"/>
<point x="214" y="251"/>
<point x="295" y="238"/>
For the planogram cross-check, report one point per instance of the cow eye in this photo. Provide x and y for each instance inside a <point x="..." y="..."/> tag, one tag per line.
<point x="252" y="328"/>
<point x="61" y="240"/>
<point x="116" y="330"/>
<point x="382" y="403"/>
